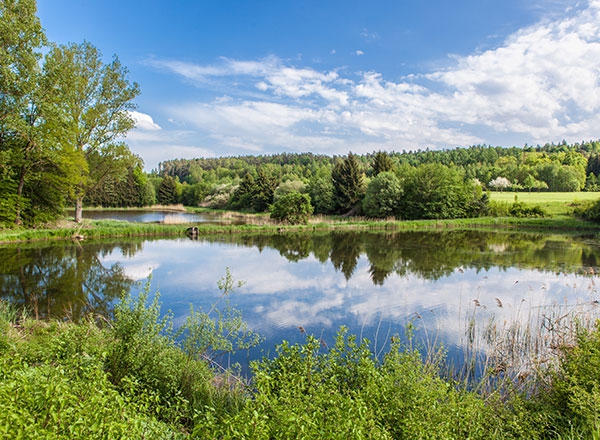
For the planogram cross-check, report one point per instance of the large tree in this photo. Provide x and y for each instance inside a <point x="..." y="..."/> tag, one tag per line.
<point x="348" y="184"/>
<point x="21" y="39"/>
<point x="95" y="102"/>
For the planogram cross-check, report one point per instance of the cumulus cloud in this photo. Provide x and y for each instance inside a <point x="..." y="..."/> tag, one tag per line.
<point x="541" y="84"/>
<point x="144" y="121"/>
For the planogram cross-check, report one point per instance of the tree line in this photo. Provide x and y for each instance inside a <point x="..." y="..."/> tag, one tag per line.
<point x="63" y="114"/>
<point x="420" y="184"/>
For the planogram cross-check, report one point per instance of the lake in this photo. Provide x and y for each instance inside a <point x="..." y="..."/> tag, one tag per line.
<point x="157" y="216"/>
<point x="452" y="287"/>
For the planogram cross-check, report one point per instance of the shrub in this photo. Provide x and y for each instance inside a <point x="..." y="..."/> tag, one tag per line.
<point x="575" y="395"/>
<point x="293" y="208"/>
<point x="383" y="195"/>
<point x="344" y="392"/>
<point x="520" y="209"/>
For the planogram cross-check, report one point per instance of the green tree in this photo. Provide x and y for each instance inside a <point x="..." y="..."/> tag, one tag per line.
<point x="435" y="191"/>
<point x="21" y="152"/>
<point x="243" y="195"/>
<point x="95" y="102"/>
<point x="264" y="190"/>
<point x="382" y="162"/>
<point x="110" y="167"/>
<point x="320" y="189"/>
<point x="348" y="184"/>
<point x="293" y="208"/>
<point x="383" y="195"/>
<point x="167" y="191"/>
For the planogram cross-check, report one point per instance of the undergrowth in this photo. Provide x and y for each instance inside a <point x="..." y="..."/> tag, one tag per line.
<point x="135" y="376"/>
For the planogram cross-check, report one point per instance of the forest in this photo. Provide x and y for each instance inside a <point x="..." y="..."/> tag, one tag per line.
<point x="64" y="113"/>
<point x="418" y="184"/>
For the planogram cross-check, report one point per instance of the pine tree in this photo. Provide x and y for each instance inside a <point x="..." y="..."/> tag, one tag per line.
<point x="348" y="184"/>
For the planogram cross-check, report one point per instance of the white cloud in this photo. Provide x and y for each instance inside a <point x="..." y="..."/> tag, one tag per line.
<point x="359" y="52"/>
<point x="144" y="121"/>
<point x="542" y="84"/>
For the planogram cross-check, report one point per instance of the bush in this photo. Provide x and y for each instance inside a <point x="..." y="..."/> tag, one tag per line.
<point x="588" y="211"/>
<point x="520" y="209"/>
<point x="293" y="208"/>
<point x="575" y="395"/>
<point x="345" y="392"/>
<point x="383" y="195"/>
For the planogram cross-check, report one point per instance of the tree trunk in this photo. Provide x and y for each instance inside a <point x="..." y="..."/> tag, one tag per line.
<point x="79" y="209"/>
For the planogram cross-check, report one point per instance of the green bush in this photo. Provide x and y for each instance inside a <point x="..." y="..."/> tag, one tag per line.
<point x="575" y="392"/>
<point x="520" y="209"/>
<point x="344" y="392"/>
<point x="293" y="208"/>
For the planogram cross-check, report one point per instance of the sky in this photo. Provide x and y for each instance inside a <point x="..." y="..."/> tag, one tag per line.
<point x="243" y="77"/>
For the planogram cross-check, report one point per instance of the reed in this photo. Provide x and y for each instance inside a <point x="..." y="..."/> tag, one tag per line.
<point x="518" y="348"/>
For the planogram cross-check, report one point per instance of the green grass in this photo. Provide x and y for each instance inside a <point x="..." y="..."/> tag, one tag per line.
<point x="554" y="203"/>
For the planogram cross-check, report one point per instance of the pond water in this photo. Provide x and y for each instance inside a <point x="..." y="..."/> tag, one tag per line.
<point x="156" y="216"/>
<point x="446" y="285"/>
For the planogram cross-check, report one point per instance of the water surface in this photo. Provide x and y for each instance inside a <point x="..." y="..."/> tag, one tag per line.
<point x="373" y="283"/>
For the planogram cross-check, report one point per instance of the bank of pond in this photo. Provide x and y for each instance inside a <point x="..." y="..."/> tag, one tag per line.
<point x="482" y="333"/>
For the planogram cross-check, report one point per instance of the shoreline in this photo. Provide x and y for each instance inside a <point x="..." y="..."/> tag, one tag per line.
<point x="90" y="229"/>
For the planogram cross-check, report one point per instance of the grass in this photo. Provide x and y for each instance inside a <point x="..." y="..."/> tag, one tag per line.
<point x="554" y="203"/>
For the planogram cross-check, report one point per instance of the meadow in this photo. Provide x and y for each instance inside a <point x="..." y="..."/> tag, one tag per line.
<point x="554" y="203"/>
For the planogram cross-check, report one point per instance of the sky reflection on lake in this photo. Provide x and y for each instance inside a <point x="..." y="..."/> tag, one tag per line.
<point x="280" y="295"/>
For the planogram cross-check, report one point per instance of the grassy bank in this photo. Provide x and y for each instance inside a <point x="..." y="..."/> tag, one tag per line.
<point x="133" y="377"/>
<point x="89" y="229"/>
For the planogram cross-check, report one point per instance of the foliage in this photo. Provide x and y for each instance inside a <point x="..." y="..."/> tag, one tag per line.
<point x="574" y="398"/>
<point x="321" y="190"/>
<point x="307" y="391"/>
<point x="589" y="211"/>
<point x="293" y="208"/>
<point x="168" y="191"/>
<point x="434" y="191"/>
<point x="383" y="195"/>
<point x="348" y="184"/>
<point x="60" y="120"/>
<point x="59" y="380"/>
<point x="93" y="105"/>
<point x="520" y="209"/>
<point x="53" y="385"/>
<point x="150" y="359"/>
<point x="264" y="191"/>
<point x="382" y="163"/>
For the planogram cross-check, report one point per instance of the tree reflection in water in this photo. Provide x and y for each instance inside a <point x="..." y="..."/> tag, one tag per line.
<point x="66" y="279"/>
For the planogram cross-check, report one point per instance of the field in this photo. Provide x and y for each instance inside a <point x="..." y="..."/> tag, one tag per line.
<point x="554" y="203"/>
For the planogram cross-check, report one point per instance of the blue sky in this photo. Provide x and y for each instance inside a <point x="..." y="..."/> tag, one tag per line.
<point x="222" y="78"/>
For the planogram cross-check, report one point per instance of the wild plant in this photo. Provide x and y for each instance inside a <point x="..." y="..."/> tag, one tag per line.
<point x="148" y="357"/>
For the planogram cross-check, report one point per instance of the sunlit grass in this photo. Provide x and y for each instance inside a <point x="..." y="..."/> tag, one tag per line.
<point x="554" y="203"/>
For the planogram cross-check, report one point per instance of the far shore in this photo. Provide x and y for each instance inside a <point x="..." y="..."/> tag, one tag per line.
<point x="66" y="229"/>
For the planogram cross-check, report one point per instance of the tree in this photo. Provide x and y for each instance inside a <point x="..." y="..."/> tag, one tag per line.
<point x="383" y="195"/>
<point x="243" y="194"/>
<point x="320" y="189"/>
<point x="500" y="183"/>
<point x="435" y="191"/>
<point x="265" y="186"/>
<point x="348" y="184"/>
<point x="21" y="154"/>
<point x="293" y="208"/>
<point x="167" y="193"/>
<point x="94" y="101"/>
<point x="382" y="162"/>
